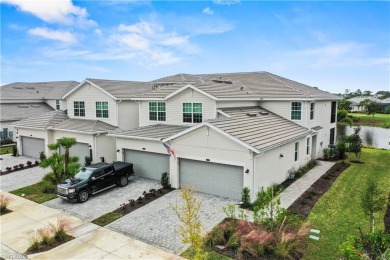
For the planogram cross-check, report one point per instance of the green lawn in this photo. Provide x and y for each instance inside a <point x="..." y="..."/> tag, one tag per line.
<point x="35" y="193"/>
<point x="5" y="150"/>
<point x="381" y="120"/>
<point x="338" y="213"/>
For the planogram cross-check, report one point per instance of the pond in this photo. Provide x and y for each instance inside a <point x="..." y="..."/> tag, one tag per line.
<point x="372" y="136"/>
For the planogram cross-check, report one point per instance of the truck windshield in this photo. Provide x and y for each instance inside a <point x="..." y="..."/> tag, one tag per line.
<point x="83" y="174"/>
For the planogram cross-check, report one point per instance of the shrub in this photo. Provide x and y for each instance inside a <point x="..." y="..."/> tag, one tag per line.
<point x="230" y="210"/>
<point x="4" y="202"/>
<point x="216" y="237"/>
<point x="233" y="242"/>
<point x="42" y="156"/>
<point x="33" y="239"/>
<point x="29" y="163"/>
<point x="8" y="169"/>
<point x="60" y="229"/>
<point x="14" y="150"/>
<point x="88" y="160"/>
<point x="371" y="246"/>
<point x="326" y="152"/>
<point x="49" y="177"/>
<point x="48" y="187"/>
<point x="15" y="167"/>
<point x="21" y="165"/>
<point x="246" y="197"/>
<point x="131" y="202"/>
<point x="267" y="207"/>
<point x="36" y="162"/>
<point x="165" y="180"/>
<point x="46" y="236"/>
<point x="341" y="114"/>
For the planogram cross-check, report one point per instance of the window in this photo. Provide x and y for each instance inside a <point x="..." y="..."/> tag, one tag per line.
<point x="312" y="111"/>
<point x="58" y="104"/>
<point x="333" y="112"/>
<point x="102" y="109"/>
<point x="157" y="111"/>
<point x="331" y="139"/>
<point x="308" y="145"/>
<point x="296" y="108"/>
<point x="79" y="108"/>
<point x="192" y="112"/>
<point x="296" y="150"/>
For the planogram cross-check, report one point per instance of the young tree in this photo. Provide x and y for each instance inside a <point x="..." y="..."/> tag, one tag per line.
<point x="191" y="228"/>
<point x="355" y="143"/>
<point x="364" y="104"/>
<point x="372" y="107"/>
<point x="55" y="162"/>
<point x="345" y="105"/>
<point x="372" y="201"/>
<point x="67" y="143"/>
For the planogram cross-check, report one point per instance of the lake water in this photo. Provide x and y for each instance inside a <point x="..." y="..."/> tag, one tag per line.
<point x="372" y="136"/>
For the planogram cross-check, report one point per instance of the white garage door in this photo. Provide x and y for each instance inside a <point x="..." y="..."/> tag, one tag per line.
<point x="80" y="150"/>
<point x="32" y="146"/>
<point x="147" y="165"/>
<point x="214" y="178"/>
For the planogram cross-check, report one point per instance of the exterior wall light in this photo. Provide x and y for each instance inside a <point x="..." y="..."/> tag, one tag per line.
<point x="208" y="160"/>
<point x="144" y="148"/>
<point x="247" y="171"/>
<point x="281" y="155"/>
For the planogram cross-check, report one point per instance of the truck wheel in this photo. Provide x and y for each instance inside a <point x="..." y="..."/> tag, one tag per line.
<point x="123" y="181"/>
<point x="82" y="196"/>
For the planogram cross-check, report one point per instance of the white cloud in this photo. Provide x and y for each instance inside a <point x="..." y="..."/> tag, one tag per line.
<point x="208" y="11"/>
<point x="98" y="31"/>
<point x="54" y="11"/>
<point x="57" y="35"/>
<point x="226" y="2"/>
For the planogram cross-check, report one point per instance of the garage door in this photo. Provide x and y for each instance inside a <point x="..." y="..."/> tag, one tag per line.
<point x="80" y="150"/>
<point x="32" y="146"/>
<point x="214" y="178"/>
<point x="147" y="165"/>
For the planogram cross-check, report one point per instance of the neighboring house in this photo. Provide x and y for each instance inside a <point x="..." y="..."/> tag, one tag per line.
<point x="21" y="100"/>
<point x="385" y="105"/>
<point x="228" y="131"/>
<point x="355" y="102"/>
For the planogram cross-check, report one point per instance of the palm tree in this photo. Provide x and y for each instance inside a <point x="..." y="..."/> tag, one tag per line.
<point x="67" y="143"/>
<point x="55" y="162"/>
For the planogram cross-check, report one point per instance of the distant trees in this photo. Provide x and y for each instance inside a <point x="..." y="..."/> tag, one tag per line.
<point x="345" y="105"/>
<point x="366" y="93"/>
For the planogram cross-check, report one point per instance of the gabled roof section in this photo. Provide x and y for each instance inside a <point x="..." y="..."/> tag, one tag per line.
<point x="356" y="100"/>
<point x="36" y="90"/>
<point x="255" y="128"/>
<point x="152" y="132"/>
<point x="245" y="85"/>
<point x="170" y="91"/>
<point x="117" y="89"/>
<point x="84" y="126"/>
<point x="18" y="111"/>
<point x="42" y="121"/>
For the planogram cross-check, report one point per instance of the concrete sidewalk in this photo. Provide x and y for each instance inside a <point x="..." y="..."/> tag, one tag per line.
<point x="295" y="190"/>
<point x="91" y="241"/>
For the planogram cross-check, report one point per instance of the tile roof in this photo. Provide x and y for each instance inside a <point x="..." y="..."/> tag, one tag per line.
<point x="240" y="85"/>
<point x="261" y="129"/>
<point x="385" y="101"/>
<point x="84" y="125"/>
<point x="158" y="131"/>
<point x="18" y="111"/>
<point x="37" y="90"/>
<point x="59" y="120"/>
<point x="122" y="89"/>
<point x="42" y="121"/>
<point x="357" y="100"/>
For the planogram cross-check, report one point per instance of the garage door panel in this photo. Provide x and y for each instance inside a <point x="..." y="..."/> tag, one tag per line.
<point x="218" y="179"/>
<point x="32" y="146"/>
<point x="146" y="164"/>
<point x="80" y="150"/>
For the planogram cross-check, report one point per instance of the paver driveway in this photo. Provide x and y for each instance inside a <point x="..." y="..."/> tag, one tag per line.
<point x="157" y="225"/>
<point x="105" y="201"/>
<point x="19" y="179"/>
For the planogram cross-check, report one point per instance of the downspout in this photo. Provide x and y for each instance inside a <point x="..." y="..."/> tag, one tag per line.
<point x="117" y="112"/>
<point x="254" y="172"/>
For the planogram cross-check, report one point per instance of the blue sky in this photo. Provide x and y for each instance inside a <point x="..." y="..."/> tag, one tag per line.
<point x="331" y="45"/>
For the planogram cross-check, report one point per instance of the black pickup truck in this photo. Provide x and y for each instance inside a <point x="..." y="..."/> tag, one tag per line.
<point x="93" y="179"/>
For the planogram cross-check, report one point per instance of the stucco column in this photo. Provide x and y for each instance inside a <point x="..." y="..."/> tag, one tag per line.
<point x="174" y="171"/>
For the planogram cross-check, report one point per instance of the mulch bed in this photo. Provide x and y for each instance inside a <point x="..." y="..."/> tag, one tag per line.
<point x="44" y="247"/>
<point x="306" y="201"/>
<point x="143" y="200"/>
<point x="386" y="219"/>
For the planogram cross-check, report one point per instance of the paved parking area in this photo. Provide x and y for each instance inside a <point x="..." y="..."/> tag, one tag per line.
<point x="19" y="179"/>
<point x="105" y="201"/>
<point x="156" y="223"/>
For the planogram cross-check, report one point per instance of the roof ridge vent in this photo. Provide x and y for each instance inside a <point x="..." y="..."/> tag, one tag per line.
<point x="251" y="114"/>
<point x="263" y="113"/>
<point x="17" y="87"/>
<point x="220" y="80"/>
